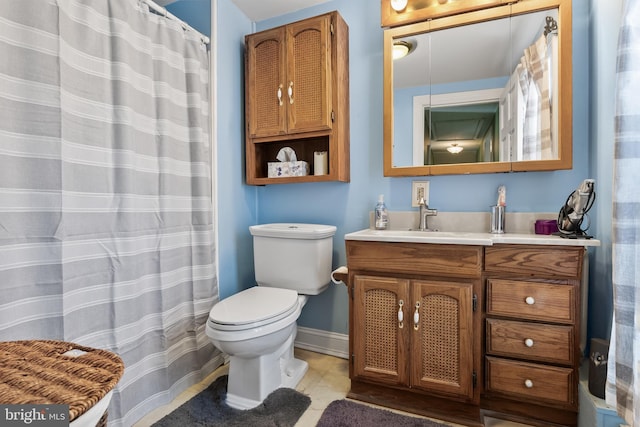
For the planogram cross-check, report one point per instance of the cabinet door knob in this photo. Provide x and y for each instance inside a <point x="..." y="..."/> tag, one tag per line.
<point x="528" y="342"/>
<point x="416" y="317"/>
<point x="290" y="91"/>
<point x="530" y="300"/>
<point x="280" y="94"/>
<point x="528" y="383"/>
<point x="400" y="314"/>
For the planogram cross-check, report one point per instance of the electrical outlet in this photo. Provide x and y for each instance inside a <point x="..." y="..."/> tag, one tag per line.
<point x="419" y="190"/>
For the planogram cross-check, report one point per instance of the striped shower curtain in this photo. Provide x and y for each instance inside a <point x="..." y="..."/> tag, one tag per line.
<point x="534" y="72"/>
<point x="106" y="228"/>
<point x="623" y="375"/>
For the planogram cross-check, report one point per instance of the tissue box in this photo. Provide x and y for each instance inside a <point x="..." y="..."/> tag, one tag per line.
<point x="282" y="169"/>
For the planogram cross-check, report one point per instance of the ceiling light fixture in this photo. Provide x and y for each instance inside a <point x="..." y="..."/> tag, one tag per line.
<point x="454" y="149"/>
<point x="401" y="49"/>
<point x="398" y="5"/>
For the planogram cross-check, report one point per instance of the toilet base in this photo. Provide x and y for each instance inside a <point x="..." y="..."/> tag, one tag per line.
<point x="251" y="380"/>
<point x="293" y="372"/>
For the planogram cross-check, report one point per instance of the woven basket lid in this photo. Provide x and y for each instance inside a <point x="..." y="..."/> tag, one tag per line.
<point x="56" y="372"/>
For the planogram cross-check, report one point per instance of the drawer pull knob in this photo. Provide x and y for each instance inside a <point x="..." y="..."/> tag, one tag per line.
<point x="528" y="383"/>
<point x="528" y="342"/>
<point x="400" y="314"/>
<point x="530" y="300"/>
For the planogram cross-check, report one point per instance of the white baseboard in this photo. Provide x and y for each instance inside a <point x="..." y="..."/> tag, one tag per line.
<point x="324" y="342"/>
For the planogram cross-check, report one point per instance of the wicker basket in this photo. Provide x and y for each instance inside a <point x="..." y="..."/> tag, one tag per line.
<point x="57" y="372"/>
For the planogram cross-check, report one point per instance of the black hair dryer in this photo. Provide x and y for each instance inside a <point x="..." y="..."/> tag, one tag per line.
<point x="573" y="212"/>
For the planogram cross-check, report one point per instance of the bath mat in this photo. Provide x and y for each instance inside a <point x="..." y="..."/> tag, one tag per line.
<point x="345" y="413"/>
<point x="282" y="408"/>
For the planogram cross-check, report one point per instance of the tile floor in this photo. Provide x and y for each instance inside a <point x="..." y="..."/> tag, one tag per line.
<point x="327" y="380"/>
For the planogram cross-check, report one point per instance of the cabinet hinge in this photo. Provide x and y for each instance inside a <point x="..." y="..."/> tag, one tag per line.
<point x="475" y="302"/>
<point x="474" y="378"/>
<point x="333" y="116"/>
<point x="353" y="359"/>
<point x="331" y="28"/>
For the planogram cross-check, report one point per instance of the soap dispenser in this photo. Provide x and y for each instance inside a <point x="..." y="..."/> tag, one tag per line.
<point x="381" y="214"/>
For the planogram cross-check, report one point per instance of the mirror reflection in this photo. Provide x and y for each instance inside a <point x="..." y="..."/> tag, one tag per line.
<point x="478" y="93"/>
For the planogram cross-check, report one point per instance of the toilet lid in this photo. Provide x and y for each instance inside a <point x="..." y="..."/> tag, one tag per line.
<point x="254" y="305"/>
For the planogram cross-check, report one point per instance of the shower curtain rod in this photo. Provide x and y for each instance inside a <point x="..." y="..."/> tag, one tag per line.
<point x="163" y="11"/>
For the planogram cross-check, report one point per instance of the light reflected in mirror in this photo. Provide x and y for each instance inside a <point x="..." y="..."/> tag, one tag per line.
<point x="490" y="87"/>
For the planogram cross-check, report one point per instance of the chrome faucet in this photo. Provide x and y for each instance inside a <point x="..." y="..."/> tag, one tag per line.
<point x="424" y="213"/>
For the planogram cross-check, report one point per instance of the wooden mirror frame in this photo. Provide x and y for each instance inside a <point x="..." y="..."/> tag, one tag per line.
<point x="565" y="91"/>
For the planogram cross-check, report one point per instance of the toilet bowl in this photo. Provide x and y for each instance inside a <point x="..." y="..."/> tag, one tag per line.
<point x="259" y="342"/>
<point x="257" y="327"/>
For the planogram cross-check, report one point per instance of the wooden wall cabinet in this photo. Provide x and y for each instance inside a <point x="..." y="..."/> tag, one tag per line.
<point x="516" y="355"/>
<point x="297" y="95"/>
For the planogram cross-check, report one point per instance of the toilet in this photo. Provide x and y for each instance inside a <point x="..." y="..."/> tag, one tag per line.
<point x="256" y="328"/>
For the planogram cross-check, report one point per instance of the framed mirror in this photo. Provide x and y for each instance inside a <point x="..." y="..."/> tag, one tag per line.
<point x="480" y="92"/>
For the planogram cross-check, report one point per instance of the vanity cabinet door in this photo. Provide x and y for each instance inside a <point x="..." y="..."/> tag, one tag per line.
<point x="442" y="336"/>
<point x="381" y="317"/>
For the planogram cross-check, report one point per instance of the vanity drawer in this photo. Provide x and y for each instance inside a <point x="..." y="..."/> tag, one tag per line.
<point x="531" y="300"/>
<point x="542" y="261"/>
<point x="529" y="381"/>
<point x="415" y="258"/>
<point x="533" y="341"/>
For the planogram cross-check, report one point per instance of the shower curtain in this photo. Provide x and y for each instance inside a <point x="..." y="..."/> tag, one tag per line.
<point x="534" y="72"/>
<point x="106" y="225"/>
<point x="623" y="367"/>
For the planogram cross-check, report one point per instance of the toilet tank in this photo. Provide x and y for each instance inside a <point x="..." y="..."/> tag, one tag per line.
<point x="293" y="256"/>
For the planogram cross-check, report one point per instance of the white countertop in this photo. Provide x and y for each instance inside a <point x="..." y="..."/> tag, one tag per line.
<point x="465" y="238"/>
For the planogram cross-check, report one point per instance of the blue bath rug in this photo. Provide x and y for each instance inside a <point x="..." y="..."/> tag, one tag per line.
<point x="282" y="408"/>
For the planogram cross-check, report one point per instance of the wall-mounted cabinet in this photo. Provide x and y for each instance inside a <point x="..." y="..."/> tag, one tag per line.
<point x="297" y="95"/>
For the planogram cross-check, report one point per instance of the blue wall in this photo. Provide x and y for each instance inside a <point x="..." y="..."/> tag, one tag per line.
<point x="346" y="205"/>
<point x="196" y="12"/>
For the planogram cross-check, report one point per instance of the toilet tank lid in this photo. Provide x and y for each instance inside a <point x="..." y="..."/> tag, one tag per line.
<point x="293" y="230"/>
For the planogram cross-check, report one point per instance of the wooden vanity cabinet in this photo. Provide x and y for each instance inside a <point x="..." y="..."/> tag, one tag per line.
<point x="532" y="331"/>
<point x="413" y="313"/>
<point x="297" y="95"/>
<point x="497" y="331"/>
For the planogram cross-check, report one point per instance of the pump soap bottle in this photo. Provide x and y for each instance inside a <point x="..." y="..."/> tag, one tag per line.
<point x="381" y="214"/>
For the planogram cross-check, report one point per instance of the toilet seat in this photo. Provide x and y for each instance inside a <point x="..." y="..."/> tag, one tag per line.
<point x="252" y="308"/>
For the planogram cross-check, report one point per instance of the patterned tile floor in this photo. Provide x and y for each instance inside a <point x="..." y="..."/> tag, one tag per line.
<point x="327" y="380"/>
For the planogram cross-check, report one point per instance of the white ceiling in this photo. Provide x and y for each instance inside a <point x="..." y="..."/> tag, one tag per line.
<point x="259" y="10"/>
